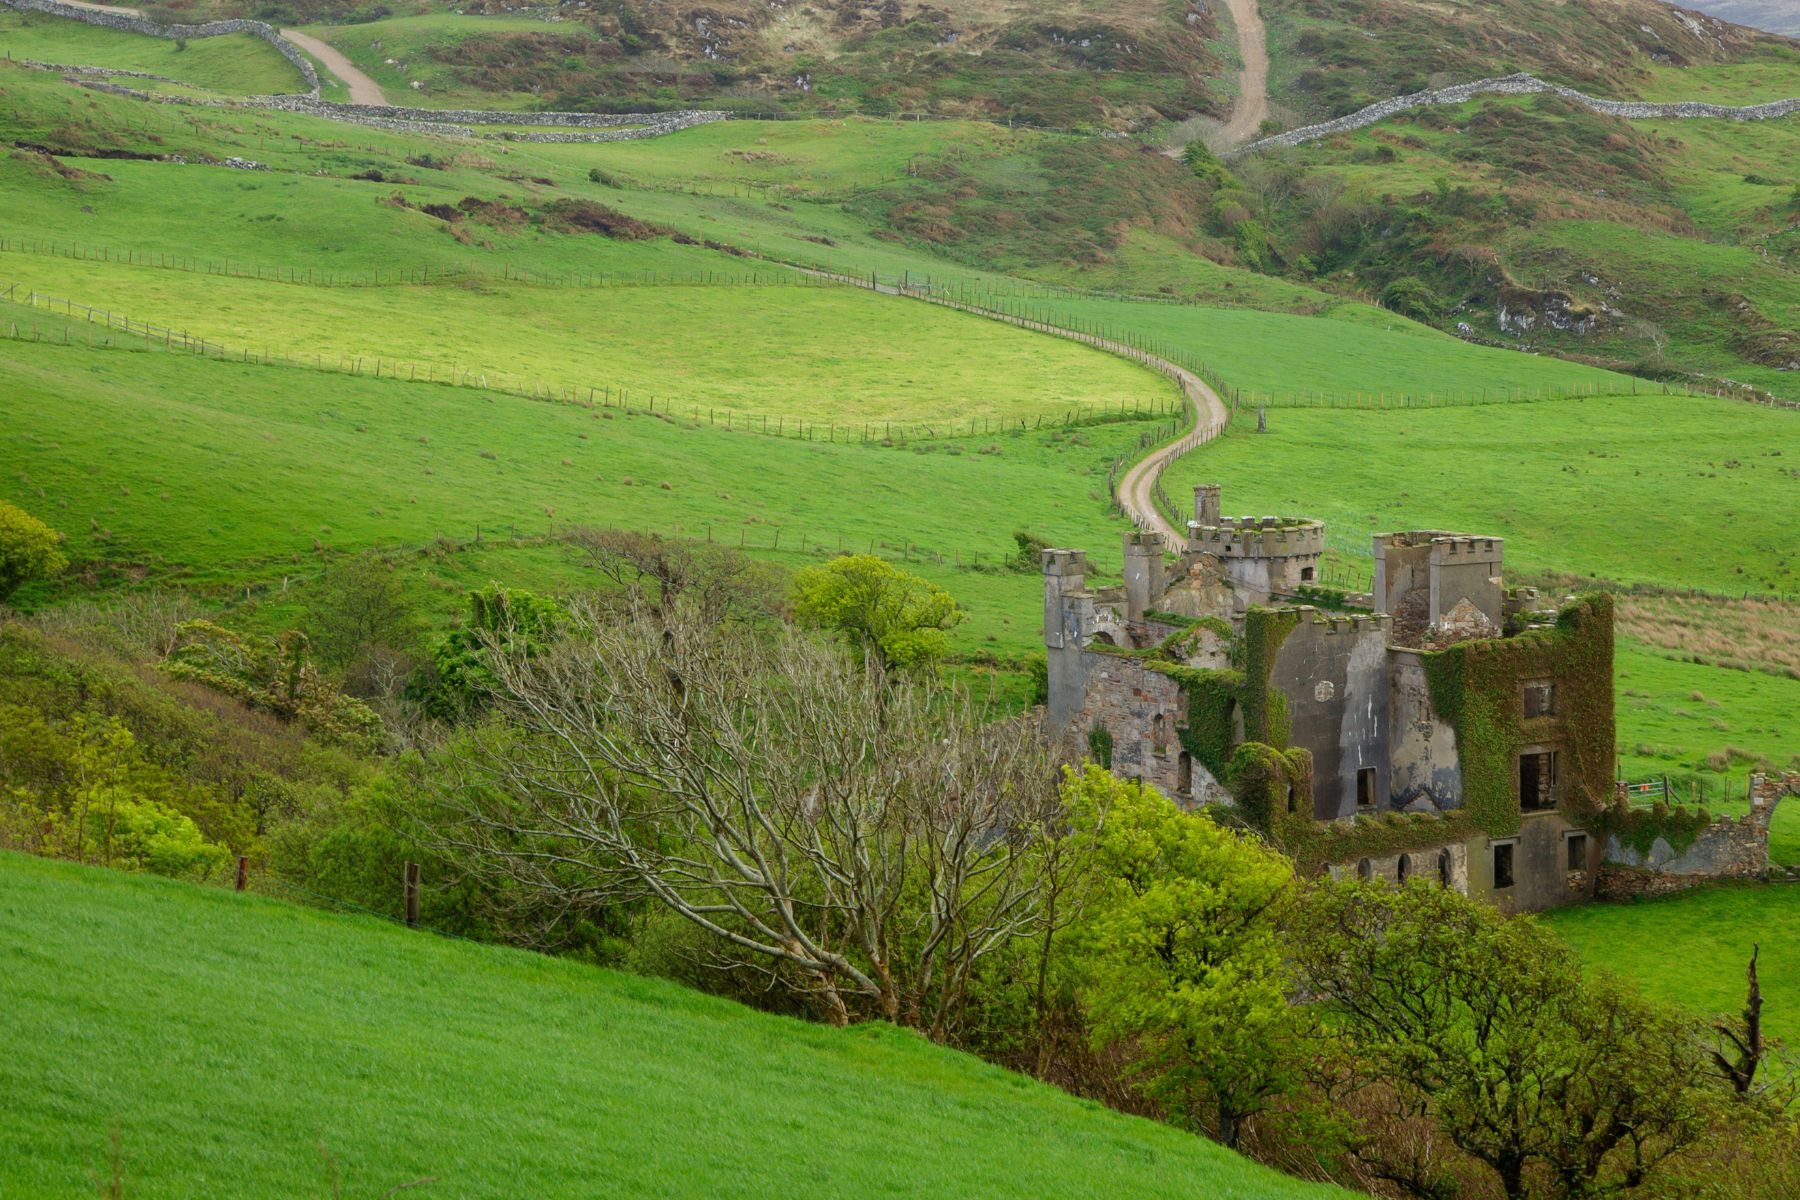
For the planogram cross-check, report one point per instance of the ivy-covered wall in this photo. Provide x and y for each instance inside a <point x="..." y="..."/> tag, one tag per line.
<point x="1477" y="688"/>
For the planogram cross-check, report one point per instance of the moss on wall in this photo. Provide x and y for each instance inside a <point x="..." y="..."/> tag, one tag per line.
<point x="1639" y="828"/>
<point x="1100" y="745"/>
<point x="1314" y="845"/>
<point x="1476" y="688"/>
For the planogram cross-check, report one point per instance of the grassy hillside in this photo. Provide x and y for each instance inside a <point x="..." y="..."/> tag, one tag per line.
<point x="297" y="1053"/>
<point x="1333" y="56"/>
<point x="1629" y="488"/>
<point x="221" y="472"/>
<point x="235" y="63"/>
<point x="1692" y="948"/>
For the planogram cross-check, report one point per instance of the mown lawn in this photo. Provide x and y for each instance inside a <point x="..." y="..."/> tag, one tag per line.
<point x="248" y="1047"/>
<point x="237" y="63"/>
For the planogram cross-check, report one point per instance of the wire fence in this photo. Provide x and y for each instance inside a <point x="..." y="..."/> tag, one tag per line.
<point x="123" y="331"/>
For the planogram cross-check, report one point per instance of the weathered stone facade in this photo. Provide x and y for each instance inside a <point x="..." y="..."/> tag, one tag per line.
<point x="1215" y="638"/>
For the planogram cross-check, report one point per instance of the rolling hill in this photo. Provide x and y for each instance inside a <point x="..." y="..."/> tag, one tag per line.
<point x="280" y="1051"/>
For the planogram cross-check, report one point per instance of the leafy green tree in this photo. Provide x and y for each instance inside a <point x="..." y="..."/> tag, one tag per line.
<point x="501" y="621"/>
<point x="1181" y="959"/>
<point x="28" y="549"/>
<point x="1486" y="1026"/>
<point x="886" y="611"/>
<point x="360" y="605"/>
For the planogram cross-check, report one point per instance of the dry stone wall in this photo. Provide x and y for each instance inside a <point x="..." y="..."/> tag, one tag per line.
<point x="1521" y="85"/>
<point x="557" y="126"/>
<point x="113" y="20"/>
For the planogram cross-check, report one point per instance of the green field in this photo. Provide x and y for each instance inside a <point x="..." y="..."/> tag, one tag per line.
<point x="226" y="471"/>
<point x="235" y="63"/>
<point x="397" y="51"/>
<point x="1351" y="353"/>
<point x="1707" y="728"/>
<point x="292" y="1052"/>
<point x="1684" y="492"/>
<point x="1692" y="948"/>
<point x="832" y="354"/>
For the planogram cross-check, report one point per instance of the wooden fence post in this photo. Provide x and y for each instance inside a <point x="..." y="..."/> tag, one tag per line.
<point x="243" y="872"/>
<point x="412" y="895"/>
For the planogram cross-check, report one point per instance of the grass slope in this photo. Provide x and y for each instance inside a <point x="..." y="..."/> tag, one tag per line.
<point x="1707" y="729"/>
<point x="824" y="353"/>
<point x="235" y="63"/>
<point x="1669" y="490"/>
<point x="1692" y="948"/>
<point x="220" y="471"/>
<point x="236" y="1042"/>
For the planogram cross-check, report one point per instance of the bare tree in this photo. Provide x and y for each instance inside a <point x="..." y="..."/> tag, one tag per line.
<point x="863" y="840"/>
<point x="658" y="571"/>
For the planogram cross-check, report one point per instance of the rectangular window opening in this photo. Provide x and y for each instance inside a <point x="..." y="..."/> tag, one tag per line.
<point x="1306" y="574"/>
<point x="1540" y="699"/>
<point x="1503" y="865"/>
<point x="1577" y="844"/>
<point x="1537" y="781"/>
<point x="1365" y="787"/>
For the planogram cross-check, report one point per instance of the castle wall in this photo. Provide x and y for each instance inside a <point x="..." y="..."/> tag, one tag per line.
<point x="1541" y="875"/>
<point x="1467" y="569"/>
<point x="1143" y="710"/>
<point x="1726" y="849"/>
<point x="1446" y="865"/>
<point x="1333" y="672"/>
<point x="1424" y="771"/>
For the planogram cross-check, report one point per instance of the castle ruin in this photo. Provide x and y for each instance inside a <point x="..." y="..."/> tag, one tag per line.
<point x="1441" y="724"/>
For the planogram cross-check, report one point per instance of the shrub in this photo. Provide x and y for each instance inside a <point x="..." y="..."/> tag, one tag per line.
<point x="1413" y="298"/>
<point x="28" y="549"/>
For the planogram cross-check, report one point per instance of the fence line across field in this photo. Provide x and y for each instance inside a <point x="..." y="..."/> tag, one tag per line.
<point x="146" y="336"/>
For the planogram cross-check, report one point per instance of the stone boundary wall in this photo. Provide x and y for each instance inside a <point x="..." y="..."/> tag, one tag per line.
<point x="557" y="126"/>
<point x="574" y="127"/>
<point x="1519" y="85"/>
<point x="119" y="21"/>
<point x="355" y="114"/>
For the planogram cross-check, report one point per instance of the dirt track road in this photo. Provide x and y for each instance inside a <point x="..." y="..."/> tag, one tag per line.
<point x="1252" y="106"/>
<point x="363" y="90"/>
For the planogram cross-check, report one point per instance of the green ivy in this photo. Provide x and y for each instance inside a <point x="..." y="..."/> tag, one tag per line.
<point x="1261" y="777"/>
<point x="1100" y="745"/>
<point x="1211" y="694"/>
<point x="1639" y="828"/>
<point x="1265" y="711"/>
<point x="1314" y="844"/>
<point x="1475" y="688"/>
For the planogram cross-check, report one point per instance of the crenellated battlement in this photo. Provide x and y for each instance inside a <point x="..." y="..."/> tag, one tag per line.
<point x="1355" y="624"/>
<point x="1466" y="548"/>
<point x="1258" y="537"/>
<point x="1064" y="562"/>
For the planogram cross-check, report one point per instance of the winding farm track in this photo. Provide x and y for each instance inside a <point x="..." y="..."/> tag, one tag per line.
<point x="363" y="90"/>
<point x="1252" y="107"/>
<point x="1136" y="490"/>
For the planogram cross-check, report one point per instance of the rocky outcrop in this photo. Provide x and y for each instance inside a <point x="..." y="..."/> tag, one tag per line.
<point x="1521" y="85"/>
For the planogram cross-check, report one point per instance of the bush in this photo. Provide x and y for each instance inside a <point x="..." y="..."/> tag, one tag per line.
<point x="28" y="549"/>
<point x="1413" y="298"/>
